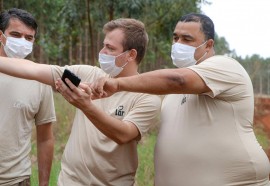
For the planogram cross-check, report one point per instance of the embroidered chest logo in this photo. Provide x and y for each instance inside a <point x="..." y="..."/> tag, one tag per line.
<point x="19" y="105"/>
<point x="119" y="111"/>
<point x="184" y="100"/>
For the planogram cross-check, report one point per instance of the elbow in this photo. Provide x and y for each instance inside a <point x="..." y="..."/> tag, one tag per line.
<point x="126" y="138"/>
<point x="128" y="134"/>
<point x="121" y="140"/>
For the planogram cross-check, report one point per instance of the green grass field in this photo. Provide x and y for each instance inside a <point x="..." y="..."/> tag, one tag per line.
<point x="145" y="172"/>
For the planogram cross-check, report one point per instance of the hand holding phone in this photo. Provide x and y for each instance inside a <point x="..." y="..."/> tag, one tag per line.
<point x="72" y="77"/>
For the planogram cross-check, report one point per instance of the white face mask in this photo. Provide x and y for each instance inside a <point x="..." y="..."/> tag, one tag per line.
<point x="183" y="55"/>
<point x="17" y="47"/>
<point x="107" y="64"/>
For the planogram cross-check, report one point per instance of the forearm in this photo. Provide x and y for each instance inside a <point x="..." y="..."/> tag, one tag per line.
<point x="155" y="82"/>
<point x="115" y="129"/>
<point x="26" y="69"/>
<point x="45" y="157"/>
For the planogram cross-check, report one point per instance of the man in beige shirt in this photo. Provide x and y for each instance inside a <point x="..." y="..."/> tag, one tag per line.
<point x="24" y="103"/>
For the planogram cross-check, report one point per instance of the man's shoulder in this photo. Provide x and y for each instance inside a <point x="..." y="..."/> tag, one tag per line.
<point x="88" y="71"/>
<point x="221" y="58"/>
<point x="219" y="62"/>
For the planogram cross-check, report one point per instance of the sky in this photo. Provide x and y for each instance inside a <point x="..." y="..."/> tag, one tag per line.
<point x="245" y="24"/>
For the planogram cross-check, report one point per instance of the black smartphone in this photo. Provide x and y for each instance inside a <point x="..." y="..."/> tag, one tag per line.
<point x="72" y="77"/>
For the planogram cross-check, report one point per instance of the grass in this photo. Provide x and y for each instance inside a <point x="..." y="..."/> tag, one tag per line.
<point x="145" y="173"/>
<point x="262" y="137"/>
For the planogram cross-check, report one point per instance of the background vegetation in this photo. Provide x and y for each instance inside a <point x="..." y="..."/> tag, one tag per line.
<point x="70" y="32"/>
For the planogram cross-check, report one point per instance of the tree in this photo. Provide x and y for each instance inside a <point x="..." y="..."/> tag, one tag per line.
<point x="70" y="31"/>
<point x="221" y="46"/>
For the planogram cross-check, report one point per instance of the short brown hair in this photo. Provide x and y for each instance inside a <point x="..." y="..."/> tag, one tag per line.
<point x="135" y="36"/>
<point x="20" y="14"/>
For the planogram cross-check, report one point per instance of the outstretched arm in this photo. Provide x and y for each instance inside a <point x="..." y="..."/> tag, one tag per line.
<point x="166" y="81"/>
<point x="26" y="69"/>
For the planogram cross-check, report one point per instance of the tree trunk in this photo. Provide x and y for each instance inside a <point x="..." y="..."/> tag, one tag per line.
<point x="70" y="50"/>
<point x="92" y="62"/>
<point x="40" y="48"/>
<point x="1" y="6"/>
<point x="86" y="39"/>
<point x="111" y="10"/>
<point x="79" y="60"/>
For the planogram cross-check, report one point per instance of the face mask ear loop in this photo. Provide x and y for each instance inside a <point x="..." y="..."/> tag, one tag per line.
<point x="201" y="57"/>
<point x="203" y="54"/>
<point x="120" y="55"/>
<point x="201" y="45"/>
<point x="124" y="65"/>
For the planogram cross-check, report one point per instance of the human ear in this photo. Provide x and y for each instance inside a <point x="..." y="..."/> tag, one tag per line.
<point x="1" y="34"/>
<point x="132" y="55"/>
<point x="210" y="44"/>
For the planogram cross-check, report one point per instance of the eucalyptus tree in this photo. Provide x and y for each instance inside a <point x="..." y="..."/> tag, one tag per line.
<point x="258" y="69"/>
<point x="222" y="46"/>
<point x="71" y="30"/>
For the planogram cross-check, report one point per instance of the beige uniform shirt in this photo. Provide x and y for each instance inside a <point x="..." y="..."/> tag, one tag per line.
<point x="90" y="157"/>
<point x="22" y="103"/>
<point x="208" y="140"/>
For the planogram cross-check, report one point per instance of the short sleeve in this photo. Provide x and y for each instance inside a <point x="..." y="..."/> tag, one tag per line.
<point x="223" y="75"/>
<point x="46" y="112"/>
<point x="145" y="113"/>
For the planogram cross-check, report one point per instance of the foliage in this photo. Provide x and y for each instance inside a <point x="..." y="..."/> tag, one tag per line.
<point x="262" y="137"/>
<point x="145" y="172"/>
<point x="221" y="46"/>
<point x="259" y="71"/>
<point x="70" y="30"/>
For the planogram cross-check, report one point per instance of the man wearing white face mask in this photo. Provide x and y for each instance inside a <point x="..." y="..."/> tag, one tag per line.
<point x="23" y="103"/>
<point x="183" y="55"/>
<point x="206" y="136"/>
<point x="108" y="64"/>
<point x="102" y="147"/>
<point x="17" y="47"/>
